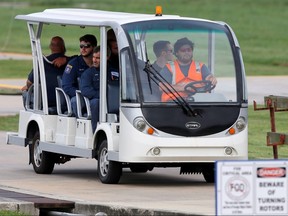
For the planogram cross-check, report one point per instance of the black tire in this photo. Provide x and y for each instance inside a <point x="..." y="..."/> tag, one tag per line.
<point x="209" y="174"/>
<point x="43" y="162"/>
<point x="109" y="172"/>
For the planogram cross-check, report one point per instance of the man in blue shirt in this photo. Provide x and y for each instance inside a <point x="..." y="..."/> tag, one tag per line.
<point x="54" y="65"/>
<point x="90" y="83"/>
<point x="77" y="66"/>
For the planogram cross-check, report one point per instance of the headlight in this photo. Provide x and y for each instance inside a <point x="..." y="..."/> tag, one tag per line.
<point x="139" y="124"/>
<point x="240" y="124"/>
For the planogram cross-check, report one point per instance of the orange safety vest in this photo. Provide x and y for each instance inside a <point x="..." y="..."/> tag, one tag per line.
<point x="194" y="74"/>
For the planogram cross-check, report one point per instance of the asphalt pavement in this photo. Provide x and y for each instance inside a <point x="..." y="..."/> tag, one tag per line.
<point x="161" y="191"/>
<point x="11" y="103"/>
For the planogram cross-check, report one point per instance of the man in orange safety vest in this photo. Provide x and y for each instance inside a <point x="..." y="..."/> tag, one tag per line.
<point x="184" y="69"/>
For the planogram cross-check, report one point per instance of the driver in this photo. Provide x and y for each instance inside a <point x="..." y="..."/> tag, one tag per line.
<point x="185" y="70"/>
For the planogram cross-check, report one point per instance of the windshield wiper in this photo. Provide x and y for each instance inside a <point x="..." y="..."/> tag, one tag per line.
<point x="167" y="88"/>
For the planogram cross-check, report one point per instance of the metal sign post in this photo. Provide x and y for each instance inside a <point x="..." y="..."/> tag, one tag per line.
<point x="274" y="104"/>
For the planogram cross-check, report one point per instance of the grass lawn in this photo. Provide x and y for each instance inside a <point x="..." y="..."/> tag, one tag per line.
<point x="11" y="213"/>
<point x="9" y="123"/>
<point x="259" y="125"/>
<point x="262" y="32"/>
<point x="17" y="69"/>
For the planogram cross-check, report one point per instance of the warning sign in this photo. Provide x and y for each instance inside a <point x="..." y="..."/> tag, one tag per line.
<point x="236" y="196"/>
<point x="251" y="188"/>
<point x="271" y="197"/>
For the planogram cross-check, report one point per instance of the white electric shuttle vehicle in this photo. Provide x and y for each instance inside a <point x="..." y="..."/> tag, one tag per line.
<point x="136" y="129"/>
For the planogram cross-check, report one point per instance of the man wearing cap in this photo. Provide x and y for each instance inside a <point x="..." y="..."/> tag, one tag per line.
<point x="77" y="66"/>
<point x="184" y="69"/>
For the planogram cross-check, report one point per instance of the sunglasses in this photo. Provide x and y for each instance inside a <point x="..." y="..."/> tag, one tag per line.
<point x="85" y="46"/>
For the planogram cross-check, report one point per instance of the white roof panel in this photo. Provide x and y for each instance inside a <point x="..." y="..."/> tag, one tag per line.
<point x="87" y="17"/>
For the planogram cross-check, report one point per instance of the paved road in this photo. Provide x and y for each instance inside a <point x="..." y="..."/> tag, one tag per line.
<point x="161" y="189"/>
<point x="11" y="104"/>
<point x="258" y="87"/>
<point x="14" y="56"/>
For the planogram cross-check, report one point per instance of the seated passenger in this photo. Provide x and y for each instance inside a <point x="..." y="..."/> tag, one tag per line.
<point x="90" y="83"/>
<point x="163" y="51"/>
<point x="53" y="66"/>
<point x="112" y="43"/>
<point x="77" y="66"/>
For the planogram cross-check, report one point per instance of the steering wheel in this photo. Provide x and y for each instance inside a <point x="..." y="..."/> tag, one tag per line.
<point x="198" y="87"/>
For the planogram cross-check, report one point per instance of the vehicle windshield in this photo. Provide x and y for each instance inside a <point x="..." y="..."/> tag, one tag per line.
<point x="161" y="53"/>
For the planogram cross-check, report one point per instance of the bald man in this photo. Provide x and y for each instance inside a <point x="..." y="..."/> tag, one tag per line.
<point x="54" y="66"/>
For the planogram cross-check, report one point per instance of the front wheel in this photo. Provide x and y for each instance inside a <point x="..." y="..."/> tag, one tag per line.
<point x="43" y="162"/>
<point x="109" y="172"/>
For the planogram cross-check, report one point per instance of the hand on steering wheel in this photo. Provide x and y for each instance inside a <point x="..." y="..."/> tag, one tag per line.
<point x="198" y="87"/>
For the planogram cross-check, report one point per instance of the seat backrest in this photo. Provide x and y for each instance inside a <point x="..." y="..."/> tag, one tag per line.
<point x="59" y="81"/>
<point x="29" y="100"/>
<point x="83" y="106"/>
<point x="78" y="82"/>
<point x="62" y="100"/>
<point x="113" y="97"/>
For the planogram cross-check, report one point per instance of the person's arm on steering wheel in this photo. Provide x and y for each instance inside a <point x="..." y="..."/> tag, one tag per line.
<point x="212" y="79"/>
<point x="207" y="75"/>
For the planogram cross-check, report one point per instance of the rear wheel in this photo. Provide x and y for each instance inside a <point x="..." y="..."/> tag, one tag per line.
<point x="43" y="162"/>
<point x="109" y="172"/>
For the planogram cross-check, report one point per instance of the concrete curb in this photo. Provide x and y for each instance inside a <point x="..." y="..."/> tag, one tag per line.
<point x="18" y="206"/>
<point x="92" y="209"/>
<point x="10" y="202"/>
<point x="85" y="209"/>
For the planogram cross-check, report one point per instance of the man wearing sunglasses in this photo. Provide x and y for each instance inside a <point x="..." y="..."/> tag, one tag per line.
<point x="184" y="69"/>
<point x="163" y="51"/>
<point x="77" y="66"/>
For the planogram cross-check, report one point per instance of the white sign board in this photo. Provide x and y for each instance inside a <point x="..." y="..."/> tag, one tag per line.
<point x="251" y="187"/>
